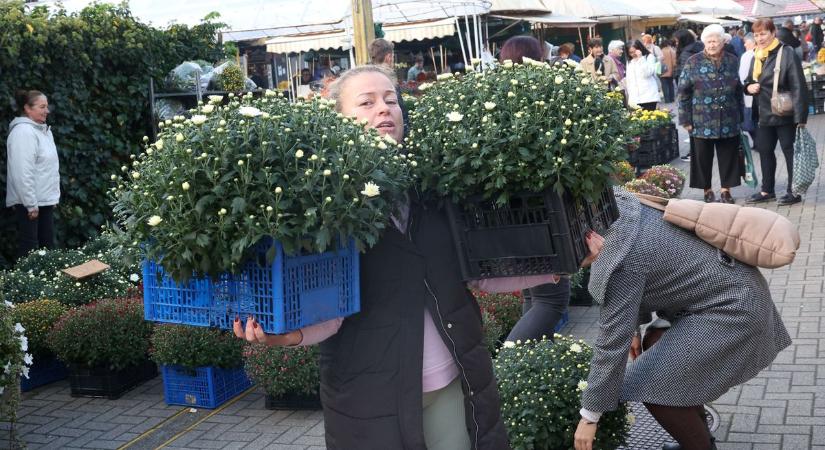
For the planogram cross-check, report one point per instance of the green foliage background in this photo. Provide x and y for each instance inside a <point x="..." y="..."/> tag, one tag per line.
<point x="95" y="67"/>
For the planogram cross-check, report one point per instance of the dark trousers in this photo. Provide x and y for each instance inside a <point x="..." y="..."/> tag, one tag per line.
<point x="727" y="157"/>
<point x="37" y="233"/>
<point x="543" y="307"/>
<point x="766" y="138"/>
<point x="650" y="106"/>
<point x="668" y="91"/>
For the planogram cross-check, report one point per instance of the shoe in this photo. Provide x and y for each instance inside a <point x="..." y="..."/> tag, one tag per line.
<point x="725" y="197"/>
<point x="759" y="198"/>
<point x="789" y="199"/>
<point x="710" y="197"/>
<point x="685" y="158"/>
<point x="671" y="446"/>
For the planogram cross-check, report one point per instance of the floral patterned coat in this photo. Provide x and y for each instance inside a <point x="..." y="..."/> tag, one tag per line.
<point x="711" y="97"/>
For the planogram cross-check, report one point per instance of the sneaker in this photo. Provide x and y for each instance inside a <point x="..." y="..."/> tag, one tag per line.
<point x="759" y="198"/>
<point x="789" y="199"/>
<point x="685" y="158"/>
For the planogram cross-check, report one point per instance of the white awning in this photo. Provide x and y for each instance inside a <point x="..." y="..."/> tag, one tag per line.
<point x="342" y="39"/>
<point x="551" y="19"/>
<point x="706" y="19"/>
<point x="715" y="8"/>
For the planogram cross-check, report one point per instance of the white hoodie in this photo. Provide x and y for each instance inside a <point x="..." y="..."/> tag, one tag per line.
<point x="33" y="171"/>
<point x="641" y="81"/>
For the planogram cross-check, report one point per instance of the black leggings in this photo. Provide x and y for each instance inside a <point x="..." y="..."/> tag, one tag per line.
<point x="543" y="307"/>
<point x="37" y="233"/>
<point x="727" y="157"/>
<point x="650" y="106"/>
<point x="766" y="138"/>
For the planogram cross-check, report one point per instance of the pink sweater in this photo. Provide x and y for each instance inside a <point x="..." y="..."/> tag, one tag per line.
<point x="439" y="368"/>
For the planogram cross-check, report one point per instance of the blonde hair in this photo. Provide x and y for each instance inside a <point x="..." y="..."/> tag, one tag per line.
<point x="338" y="85"/>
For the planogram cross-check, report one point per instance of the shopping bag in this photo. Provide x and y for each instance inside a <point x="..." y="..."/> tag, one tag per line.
<point x="748" y="168"/>
<point x="805" y="161"/>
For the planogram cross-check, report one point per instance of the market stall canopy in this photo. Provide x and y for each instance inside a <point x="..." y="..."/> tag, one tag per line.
<point x="550" y="19"/>
<point x="713" y="8"/>
<point x="780" y="8"/>
<point x="608" y="10"/>
<point x="255" y="19"/>
<point x="341" y="39"/>
<point x="499" y="6"/>
<point x="706" y="19"/>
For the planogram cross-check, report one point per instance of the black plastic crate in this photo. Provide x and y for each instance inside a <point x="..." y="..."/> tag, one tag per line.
<point x="293" y="402"/>
<point x="44" y="371"/>
<point x="111" y="384"/>
<point x="535" y="233"/>
<point x="657" y="146"/>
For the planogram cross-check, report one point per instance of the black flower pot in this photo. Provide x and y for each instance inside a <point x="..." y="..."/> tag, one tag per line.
<point x="293" y="402"/>
<point x="108" y="383"/>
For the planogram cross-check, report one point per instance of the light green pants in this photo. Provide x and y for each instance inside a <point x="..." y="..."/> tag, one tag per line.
<point x="444" y="424"/>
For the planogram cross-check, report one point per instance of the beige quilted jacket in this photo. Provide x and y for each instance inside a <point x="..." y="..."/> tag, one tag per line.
<point x="754" y="236"/>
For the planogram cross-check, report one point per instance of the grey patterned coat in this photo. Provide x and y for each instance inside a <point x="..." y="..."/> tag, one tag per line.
<point x="725" y="327"/>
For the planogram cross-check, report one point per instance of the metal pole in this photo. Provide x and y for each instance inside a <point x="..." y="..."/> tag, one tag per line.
<point x="469" y="39"/>
<point x="461" y="41"/>
<point x="363" y="29"/>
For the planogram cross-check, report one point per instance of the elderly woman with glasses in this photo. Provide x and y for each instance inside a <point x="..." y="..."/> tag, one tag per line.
<point x="710" y="109"/>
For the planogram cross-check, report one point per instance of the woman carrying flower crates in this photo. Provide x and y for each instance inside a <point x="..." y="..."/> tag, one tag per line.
<point x="411" y="370"/>
<point x="725" y="326"/>
<point x="710" y="109"/>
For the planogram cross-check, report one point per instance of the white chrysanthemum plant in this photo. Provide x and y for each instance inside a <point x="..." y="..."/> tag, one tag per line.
<point x="14" y="347"/>
<point x="212" y="186"/>
<point x="516" y="128"/>
<point x="540" y="384"/>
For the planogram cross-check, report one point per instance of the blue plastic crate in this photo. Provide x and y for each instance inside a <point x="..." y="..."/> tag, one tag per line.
<point x="290" y="293"/>
<point x="204" y="387"/>
<point x="43" y="372"/>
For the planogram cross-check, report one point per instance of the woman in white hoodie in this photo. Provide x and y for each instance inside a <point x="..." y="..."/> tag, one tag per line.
<point x="33" y="172"/>
<point x="640" y="79"/>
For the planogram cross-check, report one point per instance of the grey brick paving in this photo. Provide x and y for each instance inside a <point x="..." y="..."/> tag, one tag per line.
<point x="782" y="408"/>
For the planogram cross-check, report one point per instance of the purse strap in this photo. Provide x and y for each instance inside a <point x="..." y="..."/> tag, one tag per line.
<point x="776" y="71"/>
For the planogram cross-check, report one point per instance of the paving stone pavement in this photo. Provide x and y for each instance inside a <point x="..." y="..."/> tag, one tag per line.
<point x="782" y="408"/>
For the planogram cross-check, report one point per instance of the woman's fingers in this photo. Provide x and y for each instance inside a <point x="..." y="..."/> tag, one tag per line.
<point x="237" y="328"/>
<point x="260" y="336"/>
<point x="249" y="333"/>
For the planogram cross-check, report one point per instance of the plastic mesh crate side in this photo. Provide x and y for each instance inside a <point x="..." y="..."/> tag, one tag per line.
<point x="205" y="387"/>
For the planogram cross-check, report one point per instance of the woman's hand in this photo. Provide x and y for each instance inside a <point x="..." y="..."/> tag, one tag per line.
<point x="753" y="88"/>
<point x="688" y="128"/>
<point x="255" y="333"/>
<point x="33" y="214"/>
<point x="585" y="435"/>
<point x="635" y="347"/>
<point x="594" y="243"/>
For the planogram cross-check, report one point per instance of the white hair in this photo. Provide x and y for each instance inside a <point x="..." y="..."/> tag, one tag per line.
<point x="712" y="29"/>
<point x="614" y="45"/>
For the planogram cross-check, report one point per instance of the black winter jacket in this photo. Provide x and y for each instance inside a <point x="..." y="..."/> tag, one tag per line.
<point x="791" y="79"/>
<point x="816" y="34"/>
<point x="371" y="369"/>
<point x="687" y="52"/>
<point x="786" y="37"/>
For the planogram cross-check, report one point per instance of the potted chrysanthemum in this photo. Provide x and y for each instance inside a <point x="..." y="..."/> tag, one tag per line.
<point x="528" y="151"/>
<point x="38" y="318"/>
<point x="667" y="178"/>
<point x="200" y="366"/>
<point x="656" y="135"/>
<point x="15" y="362"/>
<point x="241" y="202"/>
<point x="105" y="344"/>
<point x="288" y="375"/>
<point x="540" y="385"/>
